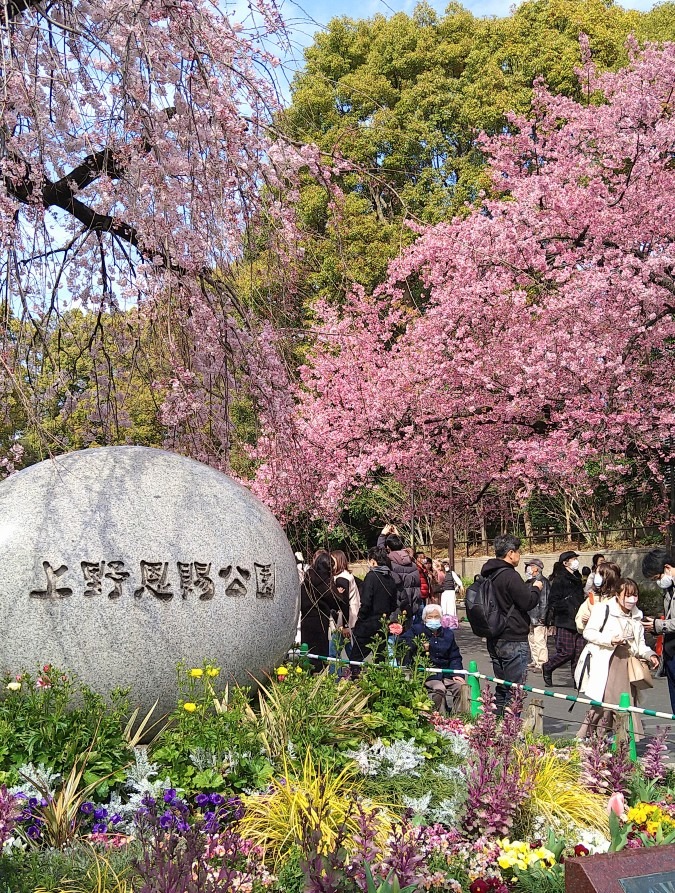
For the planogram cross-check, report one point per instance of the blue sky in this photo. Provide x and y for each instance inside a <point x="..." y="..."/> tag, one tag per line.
<point x="305" y="17"/>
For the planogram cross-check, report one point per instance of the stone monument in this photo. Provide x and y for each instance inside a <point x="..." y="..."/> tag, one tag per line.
<point x="118" y="562"/>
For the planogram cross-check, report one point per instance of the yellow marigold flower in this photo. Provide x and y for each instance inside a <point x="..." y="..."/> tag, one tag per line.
<point x="298" y="670"/>
<point x="196" y="673"/>
<point x="190" y="707"/>
<point x="213" y="671"/>
<point x="282" y="671"/>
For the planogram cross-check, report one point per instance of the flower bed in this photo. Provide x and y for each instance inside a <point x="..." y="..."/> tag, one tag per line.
<point x="315" y="783"/>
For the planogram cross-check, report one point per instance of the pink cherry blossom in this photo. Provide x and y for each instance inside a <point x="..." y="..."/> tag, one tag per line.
<point x="526" y="346"/>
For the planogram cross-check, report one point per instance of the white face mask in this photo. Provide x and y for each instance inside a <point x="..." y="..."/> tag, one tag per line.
<point x="630" y="601"/>
<point x="529" y="574"/>
<point x="665" y="581"/>
<point x="574" y="565"/>
<point x="597" y="579"/>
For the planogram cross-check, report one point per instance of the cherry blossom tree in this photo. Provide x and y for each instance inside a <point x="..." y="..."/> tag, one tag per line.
<point x="138" y="155"/>
<point x="528" y="345"/>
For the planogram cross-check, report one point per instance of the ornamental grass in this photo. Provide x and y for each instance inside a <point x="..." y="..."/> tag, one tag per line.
<point x="307" y="803"/>
<point x="556" y="792"/>
<point x="101" y="877"/>
<point x="310" y="711"/>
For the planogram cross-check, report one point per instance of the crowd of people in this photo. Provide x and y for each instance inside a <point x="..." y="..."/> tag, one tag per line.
<point x="592" y="613"/>
<point x="341" y="617"/>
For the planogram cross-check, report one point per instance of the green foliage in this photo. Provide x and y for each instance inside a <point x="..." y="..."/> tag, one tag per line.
<point x="540" y="880"/>
<point x="398" y="700"/>
<point x="80" y="867"/>
<point x="431" y="778"/>
<point x="389" y="885"/>
<point x="53" y="718"/>
<point x="306" y="712"/>
<point x="209" y="743"/>
<point x="290" y="877"/>
<point x="643" y="790"/>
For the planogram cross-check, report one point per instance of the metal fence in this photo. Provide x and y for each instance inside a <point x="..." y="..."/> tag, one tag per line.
<point x="555" y="541"/>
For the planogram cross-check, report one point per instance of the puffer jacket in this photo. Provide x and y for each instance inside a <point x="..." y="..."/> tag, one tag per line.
<point x="407" y="576"/>
<point x="443" y="652"/>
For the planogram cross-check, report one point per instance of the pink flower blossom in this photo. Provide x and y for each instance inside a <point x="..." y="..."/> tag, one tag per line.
<point x="617" y="805"/>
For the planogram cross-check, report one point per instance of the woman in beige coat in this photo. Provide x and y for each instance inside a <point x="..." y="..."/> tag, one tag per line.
<point x="613" y="633"/>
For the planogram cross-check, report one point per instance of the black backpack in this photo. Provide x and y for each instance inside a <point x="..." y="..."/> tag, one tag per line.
<point x="482" y="609"/>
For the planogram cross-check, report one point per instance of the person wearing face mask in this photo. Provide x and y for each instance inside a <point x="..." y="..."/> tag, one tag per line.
<point x="659" y="566"/>
<point x="534" y="571"/>
<point x="604" y="581"/>
<point x="598" y="558"/>
<point x="613" y="633"/>
<point x="566" y="597"/>
<point x="438" y="643"/>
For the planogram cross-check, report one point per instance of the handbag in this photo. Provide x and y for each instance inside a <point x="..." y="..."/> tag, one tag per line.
<point x="639" y="674"/>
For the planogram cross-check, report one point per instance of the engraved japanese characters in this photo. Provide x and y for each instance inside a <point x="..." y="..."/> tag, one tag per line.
<point x="117" y="562"/>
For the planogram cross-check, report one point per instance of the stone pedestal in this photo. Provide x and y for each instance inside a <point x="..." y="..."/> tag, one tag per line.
<point x="645" y="870"/>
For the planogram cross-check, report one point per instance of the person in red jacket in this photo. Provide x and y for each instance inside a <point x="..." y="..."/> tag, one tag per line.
<point x="425" y="587"/>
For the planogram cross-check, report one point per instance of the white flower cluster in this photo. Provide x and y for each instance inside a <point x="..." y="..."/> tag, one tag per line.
<point x="141" y="783"/>
<point x="35" y="780"/>
<point x="594" y="841"/>
<point x="14" y="842"/>
<point x="398" y="757"/>
<point x="459" y="745"/>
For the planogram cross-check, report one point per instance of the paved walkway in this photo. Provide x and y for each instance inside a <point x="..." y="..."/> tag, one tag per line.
<point x="558" y="720"/>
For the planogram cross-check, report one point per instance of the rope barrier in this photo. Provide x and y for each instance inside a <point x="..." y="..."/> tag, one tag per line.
<point x="473" y="673"/>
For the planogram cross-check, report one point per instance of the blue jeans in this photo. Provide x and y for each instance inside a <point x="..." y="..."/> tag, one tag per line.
<point x="509" y="661"/>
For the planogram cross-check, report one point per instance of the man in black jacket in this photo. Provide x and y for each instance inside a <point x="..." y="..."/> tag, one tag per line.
<point x="567" y="596"/>
<point x="510" y="652"/>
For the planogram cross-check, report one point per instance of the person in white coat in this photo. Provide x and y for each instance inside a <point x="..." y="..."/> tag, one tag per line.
<point x="613" y="633"/>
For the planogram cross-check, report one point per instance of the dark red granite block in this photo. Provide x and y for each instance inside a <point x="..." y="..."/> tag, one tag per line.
<point x="645" y="870"/>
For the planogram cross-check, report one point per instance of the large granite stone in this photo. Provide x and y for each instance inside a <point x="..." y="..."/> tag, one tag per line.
<point x="117" y="562"/>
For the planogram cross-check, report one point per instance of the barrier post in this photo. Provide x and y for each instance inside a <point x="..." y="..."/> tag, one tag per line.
<point x="625" y="727"/>
<point x="474" y="687"/>
<point x="534" y="717"/>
